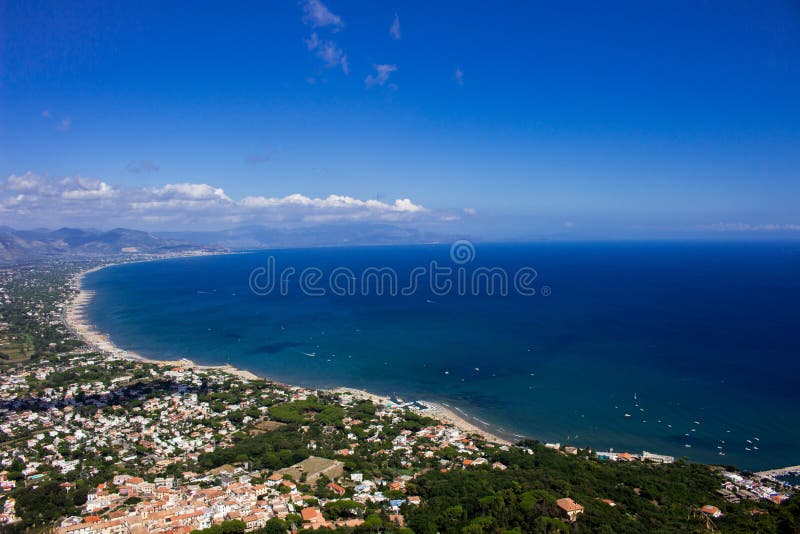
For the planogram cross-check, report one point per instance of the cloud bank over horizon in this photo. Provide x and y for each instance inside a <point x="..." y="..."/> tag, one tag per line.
<point x="31" y="199"/>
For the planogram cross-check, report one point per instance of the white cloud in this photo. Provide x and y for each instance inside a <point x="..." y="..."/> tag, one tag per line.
<point x="26" y="182"/>
<point x="317" y="15"/>
<point x="381" y="75"/>
<point x="331" y="202"/>
<point x="65" y="124"/>
<point x="46" y="114"/>
<point x="329" y="52"/>
<point x="394" y="29"/>
<point x="458" y="76"/>
<point x="86" y="189"/>
<point x="33" y="200"/>
<point x="187" y="191"/>
<point x="313" y="41"/>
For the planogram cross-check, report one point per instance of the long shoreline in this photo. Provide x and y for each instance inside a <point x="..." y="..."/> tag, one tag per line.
<point x="76" y="319"/>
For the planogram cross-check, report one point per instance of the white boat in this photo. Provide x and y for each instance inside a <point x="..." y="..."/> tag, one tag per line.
<point x="627" y="415"/>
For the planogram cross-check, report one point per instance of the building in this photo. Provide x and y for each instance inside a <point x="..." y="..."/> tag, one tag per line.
<point x="710" y="510"/>
<point x="336" y="488"/>
<point x="570" y="508"/>
<point x="657" y="458"/>
<point x="313" y="516"/>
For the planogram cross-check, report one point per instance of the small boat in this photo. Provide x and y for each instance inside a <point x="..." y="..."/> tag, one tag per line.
<point x="747" y="448"/>
<point x="688" y="446"/>
<point x="627" y="415"/>
<point x="721" y="453"/>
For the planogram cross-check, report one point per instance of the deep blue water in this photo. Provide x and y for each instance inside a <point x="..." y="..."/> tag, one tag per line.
<point x="669" y="332"/>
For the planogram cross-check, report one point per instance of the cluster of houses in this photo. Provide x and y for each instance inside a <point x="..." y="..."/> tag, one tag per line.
<point x="631" y="457"/>
<point x="738" y="486"/>
<point x="165" y="506"/>
<point x="46" y="423"/>
<point x="159" y="431"/>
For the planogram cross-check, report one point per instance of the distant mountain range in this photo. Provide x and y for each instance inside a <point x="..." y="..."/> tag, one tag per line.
<point x="41" y="243"/>
<point x="23" y="245"/>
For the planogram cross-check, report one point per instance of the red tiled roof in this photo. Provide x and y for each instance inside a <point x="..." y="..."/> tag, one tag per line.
<point x="568" y="505"/>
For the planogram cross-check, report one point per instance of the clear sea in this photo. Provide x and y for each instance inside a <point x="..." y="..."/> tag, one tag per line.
<point x="687" y="349"/>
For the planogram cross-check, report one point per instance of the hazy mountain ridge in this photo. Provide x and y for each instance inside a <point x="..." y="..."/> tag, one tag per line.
<point x="18" y="245"/>
<point x="21" y="245"/>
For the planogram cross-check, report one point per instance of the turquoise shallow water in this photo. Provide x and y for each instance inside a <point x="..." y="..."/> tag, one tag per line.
<point x="670" y="334"/>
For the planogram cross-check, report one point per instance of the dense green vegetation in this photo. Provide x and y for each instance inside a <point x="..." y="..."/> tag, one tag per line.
<point x="308" y="410"/>
<point x="648" y="498"/>
<point x="40" y="505"/>
<point x="26" y="328"/>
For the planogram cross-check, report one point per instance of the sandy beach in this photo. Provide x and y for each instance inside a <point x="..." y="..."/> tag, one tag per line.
<point x="77" y="319"/>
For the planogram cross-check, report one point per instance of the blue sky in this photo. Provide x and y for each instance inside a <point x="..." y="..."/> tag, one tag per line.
<point x="518" y="120"/>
